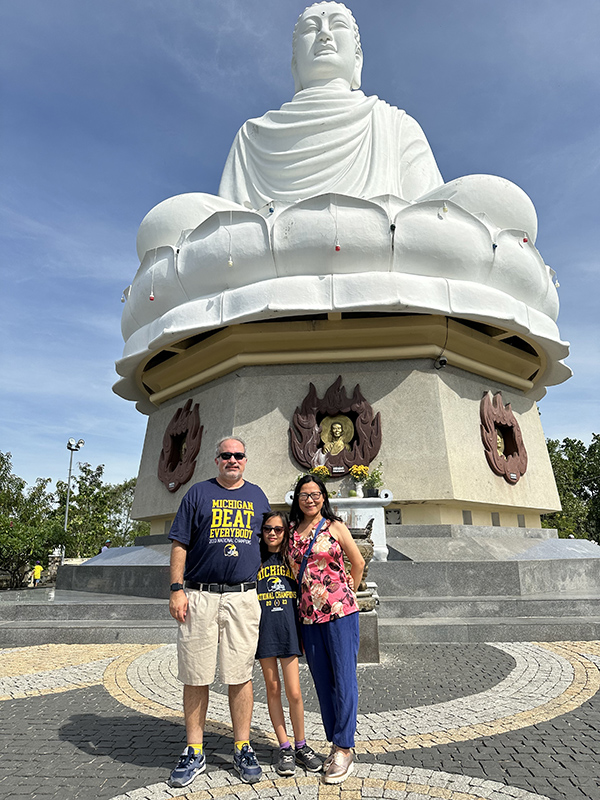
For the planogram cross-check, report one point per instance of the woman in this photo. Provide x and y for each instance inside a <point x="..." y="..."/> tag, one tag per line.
<point x="329" y="615"/>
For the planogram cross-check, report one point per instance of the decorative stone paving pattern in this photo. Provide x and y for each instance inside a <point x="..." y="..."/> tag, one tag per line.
<point x="54" y="680"/>
<point x="154" y="675"/>
<point x="368" y="781"/>
<point x="595" y="659"/>
<point x="548" y="680"/>
<point x="29" y="660"/>
<point x="64" y="667"/>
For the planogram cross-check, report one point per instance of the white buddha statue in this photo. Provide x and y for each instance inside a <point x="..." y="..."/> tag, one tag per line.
<point x="335" y="203"/>
<point x="331" y="138"/>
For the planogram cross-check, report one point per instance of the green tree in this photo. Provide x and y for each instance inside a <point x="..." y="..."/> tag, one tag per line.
<point x="98" y="511"/>
<point x="577" y="473"/>
<point x="123" y="528"/>
<point x="29" y="530"/>
<point x="592" y="483"/>
<point x="88" y="511"/>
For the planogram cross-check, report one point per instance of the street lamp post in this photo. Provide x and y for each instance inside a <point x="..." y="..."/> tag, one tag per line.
<point x="73" y="447"/>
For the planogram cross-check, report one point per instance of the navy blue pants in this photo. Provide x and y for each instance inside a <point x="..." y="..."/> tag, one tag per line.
<point x="332" y="652"/>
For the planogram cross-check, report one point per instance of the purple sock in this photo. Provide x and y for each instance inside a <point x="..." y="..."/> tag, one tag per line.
<point x="300" y="744"/>
<point x="285" y="746"/>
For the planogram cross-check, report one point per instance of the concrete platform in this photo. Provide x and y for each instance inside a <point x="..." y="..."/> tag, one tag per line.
<point x="441" y="583"/>
<point x="49" y="616"/>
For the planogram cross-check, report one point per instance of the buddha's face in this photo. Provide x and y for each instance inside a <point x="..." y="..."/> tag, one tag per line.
<point x="326" y="48"/>
<point x="336" y="430"/>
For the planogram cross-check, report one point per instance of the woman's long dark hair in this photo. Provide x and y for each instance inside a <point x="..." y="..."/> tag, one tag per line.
<point x="285" y="543"/>
<point x="296" y="515"/>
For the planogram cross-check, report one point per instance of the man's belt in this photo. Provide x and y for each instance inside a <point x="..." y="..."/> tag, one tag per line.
<point x="220" y="588"/>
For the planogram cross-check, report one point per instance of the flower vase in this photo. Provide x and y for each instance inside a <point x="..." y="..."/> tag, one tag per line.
<point x="359" y="490"/>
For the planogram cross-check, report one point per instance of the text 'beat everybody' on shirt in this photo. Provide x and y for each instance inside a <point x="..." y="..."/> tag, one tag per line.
<point x="277" y="588"/>
<point x="220" y="528"/>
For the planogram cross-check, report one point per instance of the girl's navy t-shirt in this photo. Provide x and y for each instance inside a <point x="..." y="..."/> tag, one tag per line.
<point x="279" y="634"/>
<point x="220" y="528"/>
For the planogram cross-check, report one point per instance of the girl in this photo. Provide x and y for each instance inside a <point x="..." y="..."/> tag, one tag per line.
<point x="279" y="639"/>
<point x="329" y="613"/>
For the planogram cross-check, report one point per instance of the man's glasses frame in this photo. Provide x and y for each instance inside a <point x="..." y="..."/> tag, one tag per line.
<point x="228" y="456"/>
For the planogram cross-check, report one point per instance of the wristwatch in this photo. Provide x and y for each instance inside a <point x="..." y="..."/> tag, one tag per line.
<point x="176" y="587"/>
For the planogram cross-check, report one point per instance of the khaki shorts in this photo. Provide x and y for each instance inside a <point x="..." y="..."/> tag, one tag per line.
<point x="225" y="622"/>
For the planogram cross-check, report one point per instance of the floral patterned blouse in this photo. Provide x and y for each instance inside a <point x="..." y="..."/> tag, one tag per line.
<point x="326" y="594"/>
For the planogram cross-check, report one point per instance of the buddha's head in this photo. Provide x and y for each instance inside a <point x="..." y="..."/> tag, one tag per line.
<point x="326" y="47"/>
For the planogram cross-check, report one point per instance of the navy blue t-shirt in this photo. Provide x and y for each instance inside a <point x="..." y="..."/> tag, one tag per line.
<point x="220" y="528"/>
<point x="279" y="633"/>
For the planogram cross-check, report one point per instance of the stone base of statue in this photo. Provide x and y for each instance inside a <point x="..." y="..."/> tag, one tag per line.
<point x="436" y="455"/>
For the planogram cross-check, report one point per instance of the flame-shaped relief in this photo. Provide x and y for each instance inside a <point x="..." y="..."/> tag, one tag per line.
<point x="502" y="438"/>
<point x="181" y="445"/>
<point x="337" y="431"/>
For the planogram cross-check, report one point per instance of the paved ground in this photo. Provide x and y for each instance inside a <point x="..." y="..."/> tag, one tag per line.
<point x="457" y="722"/>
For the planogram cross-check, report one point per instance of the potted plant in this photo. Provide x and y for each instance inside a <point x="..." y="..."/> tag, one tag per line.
<point x="374" y="481"/>
<point x="358" y="473"/>
<point x="321" y="471"/>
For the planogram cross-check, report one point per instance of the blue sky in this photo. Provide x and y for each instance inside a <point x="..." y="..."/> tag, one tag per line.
<point x="110" y="107"/>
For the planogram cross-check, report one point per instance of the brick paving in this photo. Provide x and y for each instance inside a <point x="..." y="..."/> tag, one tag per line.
<point x="458" y="722"/>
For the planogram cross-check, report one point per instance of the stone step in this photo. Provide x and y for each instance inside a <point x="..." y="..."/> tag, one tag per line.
<point x="148" y="624"/>
<point x="486" y="578"/>
<point x="150" y="611"/>
<point x="486" y="548"/>
<point x="113" y="577"/>
<point x="402" y="608"/>
<point x="487" y="629"/>
<point x="25" y="633"/>
<point x="442" y="531"/>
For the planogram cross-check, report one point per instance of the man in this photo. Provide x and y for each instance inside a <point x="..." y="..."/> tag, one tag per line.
<point x="215" y="550"/>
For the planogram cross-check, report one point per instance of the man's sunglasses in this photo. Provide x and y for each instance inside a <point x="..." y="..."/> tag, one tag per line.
<point x="228" y="456"/>
<point x="275" y="528"/>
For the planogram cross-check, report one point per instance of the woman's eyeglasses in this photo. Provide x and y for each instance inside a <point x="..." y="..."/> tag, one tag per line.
<point x="313" y="495"/>
<point x="228" y="456"/>
<point x="275" y="528"/>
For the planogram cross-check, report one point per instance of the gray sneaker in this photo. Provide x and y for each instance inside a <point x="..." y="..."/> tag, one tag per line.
<point x="190" y="764"/>
<point x="306" y="757"/>
<point x="286" y="765"/>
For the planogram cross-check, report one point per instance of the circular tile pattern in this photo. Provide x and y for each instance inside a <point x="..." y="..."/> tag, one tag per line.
<point x="547" y="680"/>
<point x="367" y="781"/>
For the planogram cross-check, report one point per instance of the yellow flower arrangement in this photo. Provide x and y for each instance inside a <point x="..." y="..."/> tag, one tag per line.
<point x="321" y="472"/>
<point x="359" y="472"/>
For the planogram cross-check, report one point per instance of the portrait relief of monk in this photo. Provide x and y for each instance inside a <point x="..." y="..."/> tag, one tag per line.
<point x="335" y="431"/>
<point x="336" y="434"/>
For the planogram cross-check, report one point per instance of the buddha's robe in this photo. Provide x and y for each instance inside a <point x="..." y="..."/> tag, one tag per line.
<point x="329" y="140"/>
